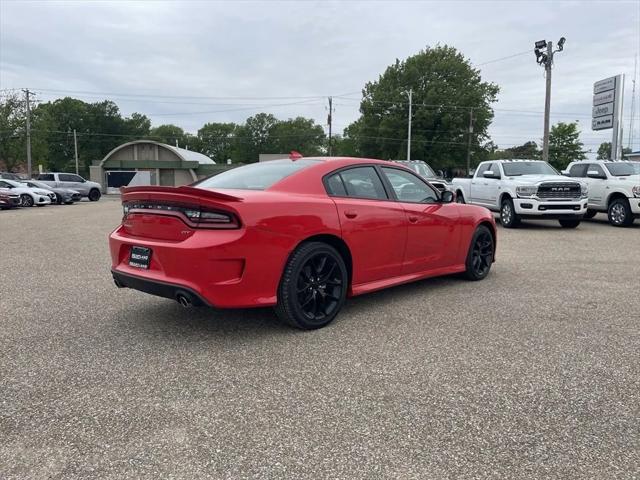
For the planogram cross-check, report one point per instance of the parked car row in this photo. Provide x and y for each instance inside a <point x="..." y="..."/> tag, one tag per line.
<point x="533" y="189"/>
<point x="45" y="189"/>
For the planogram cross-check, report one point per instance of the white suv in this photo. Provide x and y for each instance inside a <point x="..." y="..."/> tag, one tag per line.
<point x="614" y="188"/>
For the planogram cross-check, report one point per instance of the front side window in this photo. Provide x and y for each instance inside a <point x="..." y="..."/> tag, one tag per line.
<point x="256" y="176"/>
<point x="594" y="167"/>
<point x="483" y="168"/>
<point x="516" y="169"/>
<point x="409" y="188"/>
<point x="358" y="182"/>
<point x="578" y="170"/>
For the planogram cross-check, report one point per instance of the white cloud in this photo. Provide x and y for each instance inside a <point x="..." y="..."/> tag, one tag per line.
<point x="291" y="49"/>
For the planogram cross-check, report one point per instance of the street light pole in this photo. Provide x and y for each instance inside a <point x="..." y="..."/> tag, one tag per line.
<point x="547" y="103"/>
<point x="545" y="58"/>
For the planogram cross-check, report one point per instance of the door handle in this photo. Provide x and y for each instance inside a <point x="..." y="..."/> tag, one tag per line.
<point x="350" y="213"/>
<point x="413" y="218"/>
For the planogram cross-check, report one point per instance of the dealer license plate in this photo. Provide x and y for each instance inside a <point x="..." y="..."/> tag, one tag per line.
<point x="140" y="257"/>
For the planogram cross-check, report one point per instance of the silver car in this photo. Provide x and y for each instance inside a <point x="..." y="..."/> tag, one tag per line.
<point x="91" y="190"/>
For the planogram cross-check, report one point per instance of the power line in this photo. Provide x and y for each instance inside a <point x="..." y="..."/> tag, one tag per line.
<point x="504" y="58"/>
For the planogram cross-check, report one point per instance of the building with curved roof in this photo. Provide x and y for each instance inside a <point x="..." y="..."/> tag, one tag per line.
<point x="147" y="162"/>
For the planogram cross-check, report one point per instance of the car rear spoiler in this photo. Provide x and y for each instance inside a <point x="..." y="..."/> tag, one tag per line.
<point x="141" y="192"/>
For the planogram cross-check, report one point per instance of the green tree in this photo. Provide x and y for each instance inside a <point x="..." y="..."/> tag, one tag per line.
<point x="12" y="131"/>
<point x="169" y="134"/>
<point x="565" y="145"/>
<point x="218" y="140"/>
<point x="528" y="150"/>
<point x="99" y="126"/>
<point x="604" y="151"/>
<point x="300" y="134"/>
<point x="254" y="138"/>
<point x="446" y="89"/>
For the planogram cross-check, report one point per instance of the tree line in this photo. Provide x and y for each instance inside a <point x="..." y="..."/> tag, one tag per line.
<point x="451" y="114"/>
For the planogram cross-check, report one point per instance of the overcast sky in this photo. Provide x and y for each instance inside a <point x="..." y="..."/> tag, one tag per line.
<point x="148" y="56"/>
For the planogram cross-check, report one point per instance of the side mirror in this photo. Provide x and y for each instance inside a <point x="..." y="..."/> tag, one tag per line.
<point x="447" y="197"/>
<point x="594" y="174"/>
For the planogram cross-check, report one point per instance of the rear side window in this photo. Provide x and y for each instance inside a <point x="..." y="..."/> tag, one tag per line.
<point x="48" y="177"/>
<point x="67" y="177"/>
<point x="256" y="176"/>
<point x="335" y="186"/>
<point x="579" y="170"/>
<point x="358" y="182"/>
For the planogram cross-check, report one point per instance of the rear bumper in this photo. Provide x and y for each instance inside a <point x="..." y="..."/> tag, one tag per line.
<point x="226" y="268"/>
<point x="158" y="288"/>
<point x="533" y="208"/>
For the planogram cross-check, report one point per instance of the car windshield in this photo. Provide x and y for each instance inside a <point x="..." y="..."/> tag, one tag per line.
<point x="12" y="183"/>
<point x="515" y="169"/>
<point x="423" y="169"/>
<point x="256" y="176"/>
<point x="620" y="169"/>
<point x="35" y="184"/>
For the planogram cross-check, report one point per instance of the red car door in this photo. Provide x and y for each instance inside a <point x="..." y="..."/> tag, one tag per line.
<point x="433" y="234"/>
<point x="373" y="225"/>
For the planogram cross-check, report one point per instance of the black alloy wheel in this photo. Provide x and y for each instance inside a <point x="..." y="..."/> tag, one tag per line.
<point x="313" y="287"/>
<point x="26" y="200"/>
<point x="480" y="255"/>
<point x="590" y="214"/>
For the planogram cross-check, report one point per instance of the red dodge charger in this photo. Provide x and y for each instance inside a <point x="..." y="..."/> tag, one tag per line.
<point x="299" y="234"/>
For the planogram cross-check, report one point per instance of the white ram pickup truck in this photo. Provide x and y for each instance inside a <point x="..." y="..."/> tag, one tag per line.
<point x="614" y="188"/>
<point x="524" y="189"/>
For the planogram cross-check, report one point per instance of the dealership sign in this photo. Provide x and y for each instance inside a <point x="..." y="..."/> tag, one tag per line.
<point x="604" y="85"/>
<point x="602" y="110"/>
<point x="602" y="123"/>
<point x="606" y="109"/>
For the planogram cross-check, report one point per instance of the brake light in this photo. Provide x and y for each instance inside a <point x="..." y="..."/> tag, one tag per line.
<point x="194" y="216"/>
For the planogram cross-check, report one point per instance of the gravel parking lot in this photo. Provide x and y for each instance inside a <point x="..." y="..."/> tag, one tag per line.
<point x="532" y="373"/>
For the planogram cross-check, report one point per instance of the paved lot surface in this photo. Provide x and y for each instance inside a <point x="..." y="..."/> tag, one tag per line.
<point x="532" y="373"/>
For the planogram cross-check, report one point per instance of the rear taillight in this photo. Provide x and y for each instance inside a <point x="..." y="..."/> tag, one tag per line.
<point x="194" y="216"/>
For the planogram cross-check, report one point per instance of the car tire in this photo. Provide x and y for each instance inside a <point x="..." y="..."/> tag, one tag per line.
<point x="459" y="197"/>
<point x="590" y="214"/>
<point x="58" y="199"/>
<point x="619" y="213"/>
<point x="26" y="200"/>
<point x="480" y="254"/>
<point x="313" y="287"/>
<point x="569" y="223"/>
<point x="508" y="216"/>
<point x="94" y="195"/>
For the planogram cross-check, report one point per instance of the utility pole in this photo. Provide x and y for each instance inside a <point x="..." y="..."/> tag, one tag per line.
<point x="329" y="121"/>
<point x="409" y="128"/>
<point x="26" y="91"/>
<point x="546" y="59"/>
<point x="75" y="146"/>
<point x="469" y="141"/>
